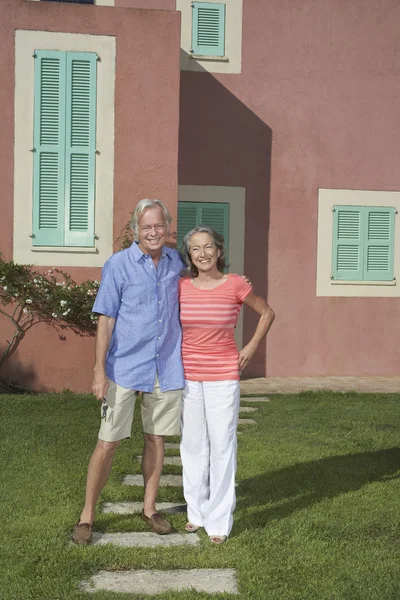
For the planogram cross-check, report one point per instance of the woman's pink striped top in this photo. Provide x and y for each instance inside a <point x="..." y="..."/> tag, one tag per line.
<point x="208" y="320"/>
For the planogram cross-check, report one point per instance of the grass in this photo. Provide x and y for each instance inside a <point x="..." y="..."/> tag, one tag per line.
<point x="318" y="501"/>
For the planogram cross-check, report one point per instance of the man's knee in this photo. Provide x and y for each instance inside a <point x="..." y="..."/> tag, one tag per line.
<point x="153" y="440"/>
<point x="106" y="449"/>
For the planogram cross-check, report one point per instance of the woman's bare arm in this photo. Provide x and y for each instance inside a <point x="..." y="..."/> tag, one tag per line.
<point x="267" y="316"/>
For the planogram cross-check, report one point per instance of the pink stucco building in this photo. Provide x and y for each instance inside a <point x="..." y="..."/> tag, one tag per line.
<point x="278" y="123"/>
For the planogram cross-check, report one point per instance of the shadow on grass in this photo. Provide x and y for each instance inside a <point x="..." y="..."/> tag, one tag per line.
<point x="305" y="484"/>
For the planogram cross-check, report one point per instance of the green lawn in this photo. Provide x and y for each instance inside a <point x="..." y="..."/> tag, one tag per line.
<point x="318" y="508"/>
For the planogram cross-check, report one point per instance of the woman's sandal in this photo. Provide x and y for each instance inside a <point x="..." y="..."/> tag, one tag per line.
<point x="217" y="539"/>
<point x="191" y="528"/>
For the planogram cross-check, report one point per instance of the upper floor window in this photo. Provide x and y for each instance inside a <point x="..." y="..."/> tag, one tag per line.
<point x="208" y="29"/>
<point x="64" y="154"/>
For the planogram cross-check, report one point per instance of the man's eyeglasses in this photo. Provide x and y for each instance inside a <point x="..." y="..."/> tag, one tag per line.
<point x="147" y="228"/>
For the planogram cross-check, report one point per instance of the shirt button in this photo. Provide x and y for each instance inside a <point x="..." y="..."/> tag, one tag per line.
<point x="159" y="302"/>
<point x="159" y="339"/>
<point x="158" y="284"/>
<point x="156" y="354"/>
<point x="159" y="320"/>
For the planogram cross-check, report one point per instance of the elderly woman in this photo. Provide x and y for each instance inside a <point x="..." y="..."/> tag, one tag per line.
<point x="210" y="303"/>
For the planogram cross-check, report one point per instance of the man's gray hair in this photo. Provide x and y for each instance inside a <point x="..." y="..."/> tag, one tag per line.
<point x="141" y="207"/>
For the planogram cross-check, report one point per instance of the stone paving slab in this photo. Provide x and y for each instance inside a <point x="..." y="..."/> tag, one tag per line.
<point x="169" y="480"/>
<point x="254" y="399"/>
<point x="210" y="581"/>
<point x="171" y="446"/>
<point x="294" y="385"/>
<point x="144" y="539"/>
<point x="168" y="460"/>
<point x="130" y="508"/>
<point x="247" y="422"/>
<point x="247" y="409"/>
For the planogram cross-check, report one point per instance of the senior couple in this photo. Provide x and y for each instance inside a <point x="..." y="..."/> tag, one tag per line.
<point x="139" y="346"/>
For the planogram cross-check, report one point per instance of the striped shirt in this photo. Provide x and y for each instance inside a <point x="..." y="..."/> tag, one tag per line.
<point x="208" y="319"/>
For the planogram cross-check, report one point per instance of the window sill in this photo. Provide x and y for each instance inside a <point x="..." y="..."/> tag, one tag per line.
<point x="377" y="283"/>
<point x="209" y="58"/>
<point x="64" y="249"/>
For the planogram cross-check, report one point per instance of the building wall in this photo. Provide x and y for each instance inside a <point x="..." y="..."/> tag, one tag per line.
<point x="314" y="106"/>
<point x="146" y="150"/>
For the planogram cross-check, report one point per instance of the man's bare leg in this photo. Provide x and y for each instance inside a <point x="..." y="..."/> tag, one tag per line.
<point x="98" y="473"/>
<point x="152" y="464"/>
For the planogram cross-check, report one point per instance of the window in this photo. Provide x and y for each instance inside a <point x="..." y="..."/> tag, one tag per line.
<point x="64" y="148"/>
<point x="363" y="243"/>
<point x="208" y="29"/>
<point x="215" y="215"/>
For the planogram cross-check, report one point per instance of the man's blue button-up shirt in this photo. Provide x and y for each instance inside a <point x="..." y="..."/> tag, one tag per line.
<point x="147" y="334"/>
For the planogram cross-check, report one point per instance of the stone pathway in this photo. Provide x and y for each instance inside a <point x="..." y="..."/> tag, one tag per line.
<point x="168" y="480"/>
<point x="145" y="539"/>
<point x="168" y="460"/>
<point x="211" y="581"/>
<point x="131" y="508"/>
<point x="294" y="385"/>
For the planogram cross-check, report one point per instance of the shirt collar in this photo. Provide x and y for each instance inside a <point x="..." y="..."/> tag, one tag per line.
<point x="138" y="254"/>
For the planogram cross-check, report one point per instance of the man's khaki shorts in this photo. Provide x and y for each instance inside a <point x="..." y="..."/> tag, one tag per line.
<point x="161" y="412"/>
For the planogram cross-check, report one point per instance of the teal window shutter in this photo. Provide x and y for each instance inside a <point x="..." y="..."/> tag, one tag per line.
<point x="348" y="240"/>
<point x="188" y="218"/>
<point x="363" y="243"/>
<point x="49" y="148"/>
<point x="379" y="252"/>
<point x="80" y="153"/>
<point x="213" y="214"/>
<point x="208" y="29"/>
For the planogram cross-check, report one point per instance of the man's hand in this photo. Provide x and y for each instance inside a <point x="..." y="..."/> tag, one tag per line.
<point x="100" y="383"/>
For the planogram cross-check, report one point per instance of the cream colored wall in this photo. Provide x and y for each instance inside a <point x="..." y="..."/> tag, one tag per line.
<point x="325" y="286"/>
<point x="233" y="39"/>
<point x="25" y="44"/>
<point x="236" y="198"/>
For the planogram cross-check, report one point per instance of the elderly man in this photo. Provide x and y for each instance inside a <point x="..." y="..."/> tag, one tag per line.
<point x="138" y="347"/>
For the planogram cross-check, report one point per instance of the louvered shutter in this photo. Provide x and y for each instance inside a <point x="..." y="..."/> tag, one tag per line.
<point x="216" y="215"/>
<point x="80" y="149"/>
<point x="188" y="218"/>
<point x="208" y="29"/>
<point x="348" y="241"/>
<point x="49" y="148"/>
<point x="379" y="252"/>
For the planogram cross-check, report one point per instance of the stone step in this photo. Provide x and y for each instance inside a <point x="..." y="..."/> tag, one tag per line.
<point x="169" y="480"/>
<point x="247" y="409"/>
<point x="171" y="446"/>
<point x="168" y="460"/>
<point x="247" y="422"/>
<point x="254" y="399"/>
<point x="130" y="508"/>
<point x="209" y="581"/>
<point x="145" y="539"/>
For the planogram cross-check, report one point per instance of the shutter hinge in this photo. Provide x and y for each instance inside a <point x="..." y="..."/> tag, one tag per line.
<point x="32" y="150"/>
<point x="333" y="209"/>
<point x="34" y="55"/>
<point x="98" y="58"/>
<point x="192" y="4"/>
<point x="394" y="278"/>
<point x="396" y="212"/>
<point x="332" y="277"/>
<point x="97" y="151"/>
<point x="32" y="235"/>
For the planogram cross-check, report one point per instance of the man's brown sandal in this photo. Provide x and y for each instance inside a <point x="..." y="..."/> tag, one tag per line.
<point x="157" y="523"/>
<point x="82" y="534"/>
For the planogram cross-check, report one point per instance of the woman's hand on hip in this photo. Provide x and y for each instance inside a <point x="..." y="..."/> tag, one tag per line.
<point x="245" y="355"/>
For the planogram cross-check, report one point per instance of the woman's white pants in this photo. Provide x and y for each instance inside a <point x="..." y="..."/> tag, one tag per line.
<point x="210" y="412"/>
